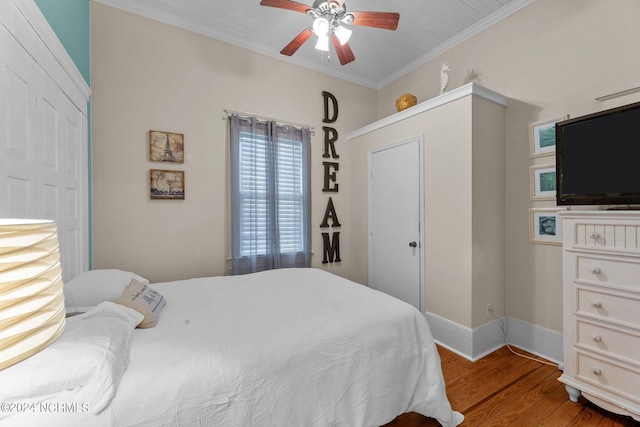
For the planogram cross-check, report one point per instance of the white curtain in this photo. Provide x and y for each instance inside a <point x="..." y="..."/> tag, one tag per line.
<point x="270" y="195"/>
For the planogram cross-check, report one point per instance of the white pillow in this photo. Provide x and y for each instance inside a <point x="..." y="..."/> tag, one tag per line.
<point x="90" y="288"/>
<point x="85" y="364"/>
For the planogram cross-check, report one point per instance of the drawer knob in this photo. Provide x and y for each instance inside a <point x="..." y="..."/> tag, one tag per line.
<point x="597" y="338"/>
<point x="596" y="270"/>
<point x="595" y="235"/>
<point x="596" y="304"/>
<point x="596" y="371"/>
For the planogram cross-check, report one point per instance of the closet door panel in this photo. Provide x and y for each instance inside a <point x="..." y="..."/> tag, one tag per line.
<point x="71" y="183"/>
<point x="19" y="128"/>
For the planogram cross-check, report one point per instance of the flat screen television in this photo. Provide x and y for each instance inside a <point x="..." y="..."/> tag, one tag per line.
<point x="598" y="158"/>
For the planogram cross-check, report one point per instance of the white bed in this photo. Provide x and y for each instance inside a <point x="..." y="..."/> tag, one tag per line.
<point x="290" y="347"/>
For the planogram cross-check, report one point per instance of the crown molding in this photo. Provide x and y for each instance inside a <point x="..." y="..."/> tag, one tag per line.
<point x="465" y="35"/>
<point x="173" y="19"/>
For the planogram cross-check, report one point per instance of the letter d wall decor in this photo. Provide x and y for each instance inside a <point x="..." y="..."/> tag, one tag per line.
<point x="330" y="243"/>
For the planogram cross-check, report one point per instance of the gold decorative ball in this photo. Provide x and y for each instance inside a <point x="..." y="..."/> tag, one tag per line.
<point x="405" y="101"/>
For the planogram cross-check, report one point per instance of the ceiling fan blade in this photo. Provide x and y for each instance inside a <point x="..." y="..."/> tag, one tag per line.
<point x="286" y="4"/>
<point x="295" y="44"/>
<point x="345" y="55"/>
<point x="384" y="20"/>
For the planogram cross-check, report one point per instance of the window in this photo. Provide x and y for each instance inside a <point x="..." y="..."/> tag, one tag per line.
<point x="270" y="195"/>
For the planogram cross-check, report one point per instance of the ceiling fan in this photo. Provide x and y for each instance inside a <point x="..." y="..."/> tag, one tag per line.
<point x="328" y="19"/>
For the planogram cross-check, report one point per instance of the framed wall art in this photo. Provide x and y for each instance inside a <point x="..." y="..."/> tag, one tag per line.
<point x="543" y="182"/>
<point x="166" y="184"/>
<point x="542" y="137"/>
<point x="545" y="226"/>
<point x="166" y="147"/>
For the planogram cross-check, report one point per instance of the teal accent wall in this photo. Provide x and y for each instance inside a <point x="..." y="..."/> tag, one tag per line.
<point x="71" y="21"/>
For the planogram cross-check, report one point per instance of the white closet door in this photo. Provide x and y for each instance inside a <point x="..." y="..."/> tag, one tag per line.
<point x="71" y="181"/>
<point x="43" y="133"/>
<point x="395" y="212"/>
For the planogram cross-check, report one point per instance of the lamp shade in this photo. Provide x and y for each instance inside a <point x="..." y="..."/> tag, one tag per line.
<point x="32" y="313"/>
<point x="321" y="26"/>
<point x="343" y="34"/>
<point x="323" y="43"/>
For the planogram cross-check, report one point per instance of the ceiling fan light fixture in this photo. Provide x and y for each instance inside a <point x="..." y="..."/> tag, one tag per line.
<point x="347" y="18"/>
<point x="328" y="16"/>
<point x="343" y="34"/>
<point x="321" y="26"/>
<point x="323" y="43"/>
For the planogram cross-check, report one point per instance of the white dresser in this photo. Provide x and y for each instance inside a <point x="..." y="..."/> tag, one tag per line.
<point x="601" y="319"/>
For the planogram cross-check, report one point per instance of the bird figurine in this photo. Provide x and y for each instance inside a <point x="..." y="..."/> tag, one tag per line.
<point x="444" y="77"/>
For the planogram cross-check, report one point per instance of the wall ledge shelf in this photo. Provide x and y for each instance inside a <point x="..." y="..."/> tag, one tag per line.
<point x="618" y="94"/>
<point x="460" y="92"/>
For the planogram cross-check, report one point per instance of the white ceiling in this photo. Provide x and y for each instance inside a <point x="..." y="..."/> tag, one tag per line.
<point x="426" y="29"/>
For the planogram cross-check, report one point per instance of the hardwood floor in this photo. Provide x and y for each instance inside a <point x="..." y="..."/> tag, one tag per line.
<point x="503" y="389"/>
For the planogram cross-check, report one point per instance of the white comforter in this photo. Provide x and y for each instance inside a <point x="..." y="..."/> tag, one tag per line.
<point x="292" y="347"/>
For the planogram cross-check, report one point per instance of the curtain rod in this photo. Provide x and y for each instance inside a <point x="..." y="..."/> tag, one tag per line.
<point x="228" y="112"/>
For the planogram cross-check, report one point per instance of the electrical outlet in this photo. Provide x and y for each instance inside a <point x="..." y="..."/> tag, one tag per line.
<point x="489" y="310"/>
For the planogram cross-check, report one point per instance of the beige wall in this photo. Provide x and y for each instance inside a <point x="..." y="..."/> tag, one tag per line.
<point x="551" y="58"/>
<point x="488" y="199"/>
<point x="148" y="75"/>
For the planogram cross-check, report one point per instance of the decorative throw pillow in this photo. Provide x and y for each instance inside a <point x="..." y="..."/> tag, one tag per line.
<point x="146" y="301"/>
<point x="90" y="288"/>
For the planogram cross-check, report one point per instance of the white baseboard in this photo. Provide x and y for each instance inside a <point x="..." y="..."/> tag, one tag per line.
<point x="473" y="344"/>
<point x="535" y="339"/>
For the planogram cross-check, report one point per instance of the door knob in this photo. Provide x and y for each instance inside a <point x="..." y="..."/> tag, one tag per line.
<point x="413" y="244"/>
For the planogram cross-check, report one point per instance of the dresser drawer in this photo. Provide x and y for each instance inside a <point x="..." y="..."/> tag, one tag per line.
<point x="606" y="236"/>
<point x="606" y="375"/>
<point x="609" y="307"/>
<point x="616" y="342"/>
<point x="608" y="271"/>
